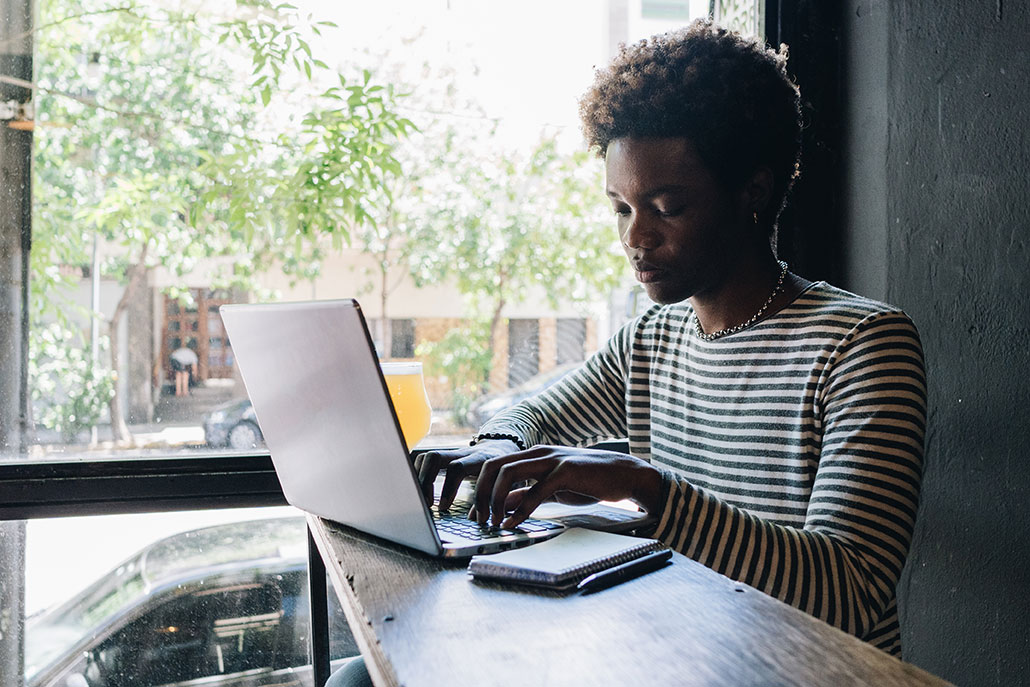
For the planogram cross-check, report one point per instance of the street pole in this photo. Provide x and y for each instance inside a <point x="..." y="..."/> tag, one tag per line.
<point x="16" y="121"/>
<point x="94" y="322"/>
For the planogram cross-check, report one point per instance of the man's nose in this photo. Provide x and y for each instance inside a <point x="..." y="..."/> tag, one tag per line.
<point x="638" y="234"/>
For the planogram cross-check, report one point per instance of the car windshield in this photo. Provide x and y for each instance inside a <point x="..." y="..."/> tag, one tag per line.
<point x="54" y="632"/>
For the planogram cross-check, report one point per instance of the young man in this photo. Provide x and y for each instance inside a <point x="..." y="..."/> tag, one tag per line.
<point x="775" y="426"/>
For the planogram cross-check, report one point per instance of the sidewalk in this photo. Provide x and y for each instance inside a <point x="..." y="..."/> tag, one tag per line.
<point x="171" y="439"/>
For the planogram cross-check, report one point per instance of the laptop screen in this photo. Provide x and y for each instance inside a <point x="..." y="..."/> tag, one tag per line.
<point x="315" y="383"/>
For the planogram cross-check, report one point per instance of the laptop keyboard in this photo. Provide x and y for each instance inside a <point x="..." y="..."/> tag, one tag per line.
<point x="456" y="522"/>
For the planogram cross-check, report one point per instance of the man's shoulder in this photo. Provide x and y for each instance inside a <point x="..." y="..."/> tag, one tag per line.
<point x="825" y="300"/>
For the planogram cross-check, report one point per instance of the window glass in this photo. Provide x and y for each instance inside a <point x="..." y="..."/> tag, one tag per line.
<point x="403" y="338"/>
<point x="178" y="597"/>
<point x="571" y="340"/>
<point x="423" y="156"/>
<point x="523" y="350"/>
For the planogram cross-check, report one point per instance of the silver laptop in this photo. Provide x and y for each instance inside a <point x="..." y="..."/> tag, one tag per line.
<point x="313" y="377"/>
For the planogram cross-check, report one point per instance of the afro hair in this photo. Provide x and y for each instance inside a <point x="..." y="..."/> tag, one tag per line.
<point x="729" y="95"/>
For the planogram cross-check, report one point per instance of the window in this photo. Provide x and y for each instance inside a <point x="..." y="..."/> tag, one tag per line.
<point x="572" y="341"/>
<point x="207" y="603"/>
<point x="402" y="339"/>
<point x="523" y="350"/>
<point x="154" y="228"/>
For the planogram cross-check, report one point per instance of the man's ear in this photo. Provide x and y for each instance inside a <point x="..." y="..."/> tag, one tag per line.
<point x="757" y="191"/>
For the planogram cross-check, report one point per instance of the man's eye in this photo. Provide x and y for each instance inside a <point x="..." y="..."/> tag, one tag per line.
<point x="621" y="212"/>
<point x="669" y="212"/>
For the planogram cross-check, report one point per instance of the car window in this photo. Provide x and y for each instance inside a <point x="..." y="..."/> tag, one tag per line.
<point x="215" y="630"/>
<point x="219" y="629"/>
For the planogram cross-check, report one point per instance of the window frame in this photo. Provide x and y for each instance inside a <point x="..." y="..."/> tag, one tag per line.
<point x="47" y="488"/>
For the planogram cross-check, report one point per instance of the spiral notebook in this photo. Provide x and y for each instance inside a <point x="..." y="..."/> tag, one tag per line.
<point x="562" y="562"/>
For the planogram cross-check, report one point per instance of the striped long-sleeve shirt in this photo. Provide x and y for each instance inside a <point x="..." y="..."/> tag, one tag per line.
<point x="791" y="451"/>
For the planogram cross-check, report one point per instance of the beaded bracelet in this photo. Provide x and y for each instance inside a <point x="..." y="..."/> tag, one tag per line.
<point x="491" y="435"/>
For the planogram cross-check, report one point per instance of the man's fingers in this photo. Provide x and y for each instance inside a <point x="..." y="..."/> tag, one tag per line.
<point x="427" y="466"/>
<point x="510" y="503"/>
<point x="456" y="472"/>
<point x="532" y="497"/>
<point x="514" y="498"/>
<point x="508" y="475"/>
<point x="484" y="486"/>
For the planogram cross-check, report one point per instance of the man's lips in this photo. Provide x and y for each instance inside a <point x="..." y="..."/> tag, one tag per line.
<point x="648" y="273"/>
<point x="648" y="276"/>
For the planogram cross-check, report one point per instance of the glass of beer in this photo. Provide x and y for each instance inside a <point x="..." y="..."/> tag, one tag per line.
<point x="410" y="401"/>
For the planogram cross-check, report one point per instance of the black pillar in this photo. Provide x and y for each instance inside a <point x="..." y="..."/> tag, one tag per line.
<point x="809" y="237"/>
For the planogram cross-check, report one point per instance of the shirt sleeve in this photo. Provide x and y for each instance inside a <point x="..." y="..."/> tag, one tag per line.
<point x="584" y="407"/>
<point x="843" y="565"/>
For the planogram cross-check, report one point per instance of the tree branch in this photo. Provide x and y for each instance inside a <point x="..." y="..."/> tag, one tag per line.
<point x="89" y="102"/>
<point x="25" y="34"/>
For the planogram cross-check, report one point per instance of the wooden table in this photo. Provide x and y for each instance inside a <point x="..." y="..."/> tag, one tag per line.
<point x="423" y="621"/>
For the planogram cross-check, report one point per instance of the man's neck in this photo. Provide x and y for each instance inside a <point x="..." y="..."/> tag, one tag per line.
<point x="744" y="291"/>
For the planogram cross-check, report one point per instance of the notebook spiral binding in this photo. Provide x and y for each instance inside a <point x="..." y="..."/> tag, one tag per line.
<point x="599" y="564"/>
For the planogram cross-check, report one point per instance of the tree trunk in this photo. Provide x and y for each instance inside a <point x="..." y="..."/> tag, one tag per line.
<point x="496" y="322"/>
<point x="119" y="430"/>
<point x="385" y="328"/>
<point x="137" y="273"/>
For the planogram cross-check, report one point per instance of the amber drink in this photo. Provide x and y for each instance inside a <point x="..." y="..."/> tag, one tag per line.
<point x="410" y="401"/>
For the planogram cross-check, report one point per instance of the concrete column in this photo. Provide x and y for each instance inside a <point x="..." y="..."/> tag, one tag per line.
<point x="15" y="223"/>
<point x="15" y="239"/>
<point x="938" y="225"/>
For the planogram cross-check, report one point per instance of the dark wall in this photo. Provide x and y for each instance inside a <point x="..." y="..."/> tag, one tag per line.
<point x="937" y="221"/>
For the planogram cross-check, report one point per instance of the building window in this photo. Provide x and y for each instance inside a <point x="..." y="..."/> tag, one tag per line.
<point x="523" y="350"/>
<point x="572" y="338"/>
<point x="402" y="338"/>
<point x="678" y="10"/>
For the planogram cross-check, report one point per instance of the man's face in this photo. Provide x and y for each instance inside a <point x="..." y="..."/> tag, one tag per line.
<point x="680" y="228"/>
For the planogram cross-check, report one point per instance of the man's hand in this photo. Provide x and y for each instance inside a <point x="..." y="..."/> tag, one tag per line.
<point x="460" y="464"/>
<point x="560" y="473"/>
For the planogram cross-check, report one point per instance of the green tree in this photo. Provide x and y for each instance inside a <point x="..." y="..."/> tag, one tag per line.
<point x="62" y="369"/>
<point x="167" y="134"/>
<point x="463" y="356"/>
<point x="403" y="230"/>
<point x="515" y="225"/>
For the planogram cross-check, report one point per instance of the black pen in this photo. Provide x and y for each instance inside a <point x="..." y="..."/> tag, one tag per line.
<point x="624" y="571"/>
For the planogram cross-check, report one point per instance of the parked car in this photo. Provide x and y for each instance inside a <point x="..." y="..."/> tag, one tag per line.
<point x="218" y="606"/>
<point x="233" y="424"/>
<point x="491" y="404"/>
